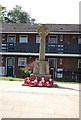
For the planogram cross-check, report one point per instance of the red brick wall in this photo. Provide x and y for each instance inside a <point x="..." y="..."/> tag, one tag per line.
<point x="69" y="64"/>
<point x="71" y="38"/>
<point x="18" y="72"/>
<point x="32" y="37"/>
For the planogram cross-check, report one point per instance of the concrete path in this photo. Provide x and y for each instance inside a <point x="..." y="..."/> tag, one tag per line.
<point x="17" y="101"/>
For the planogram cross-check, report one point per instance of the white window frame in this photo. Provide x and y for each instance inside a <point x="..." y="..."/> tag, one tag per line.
<point x="79" y="62"/>
<point x="38" y="39"/>
<point x="79" y="40"/>
<point x="22" y="59"/>
<point x="20" y="41"/>
<point x="2" y="71"/>
<point x="54" y="36"/>
<point x="11" y="35"/>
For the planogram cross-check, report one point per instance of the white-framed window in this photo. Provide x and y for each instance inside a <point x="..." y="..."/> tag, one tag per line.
<point x="79" y="40"/>
<point x="52" y="39"/>
<point x="23" y="39"/>
<point x="38" y="39"/>
<point x="2" y="70"/>
<point x="11" y="38"/>
<point x="61" y="38"/>
<point x="22" y="61"/>
<point x="59" y="75"/>
<point x="79" y="63"/>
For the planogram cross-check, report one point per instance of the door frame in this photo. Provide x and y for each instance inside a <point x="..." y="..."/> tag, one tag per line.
<point x="53" y="59"/>
<point x="56" y="64"/>
<point x="7" y="64"/>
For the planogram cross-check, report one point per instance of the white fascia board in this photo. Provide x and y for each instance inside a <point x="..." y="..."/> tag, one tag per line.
<point x="17" y="53"/>
<point x="64" y="33"/>
<point x="64" y="55"/>
<point x="48" y="33"/>
<point x="20" y="32"/>
<point x="37" y="54"/>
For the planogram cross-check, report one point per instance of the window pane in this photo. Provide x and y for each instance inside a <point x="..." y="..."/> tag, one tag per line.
<point x="2" y="70"/>
<point x="23" y="39"/>
<point x="38" y="39"/>
<point x="79" y="40"/>
<point x="52" y="62"/>
<point x="79" y="60"/>
<point x="52" y="39"/>
<point x="79" y="65"/>
<point x="11" y="39"/>
<point x="22" y="61"/>
<point x="10" y="61"/>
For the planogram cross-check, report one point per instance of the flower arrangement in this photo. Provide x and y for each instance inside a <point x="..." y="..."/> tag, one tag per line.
<point x="41" y="82"/>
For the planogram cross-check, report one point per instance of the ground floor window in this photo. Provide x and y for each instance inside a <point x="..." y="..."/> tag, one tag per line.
<point x="22" y="61"/>
<point x="2" y="70"/>
<point x="79" y="40"/>
<point x="59" y="73"/>
<point x="79" y="63"/>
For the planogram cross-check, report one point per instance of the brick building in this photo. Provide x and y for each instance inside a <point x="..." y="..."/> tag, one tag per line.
<point x="20" y="47"/>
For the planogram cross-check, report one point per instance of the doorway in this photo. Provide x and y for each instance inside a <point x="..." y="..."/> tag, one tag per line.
<point x="53" y="66"/>
<point x="10" y="66"/>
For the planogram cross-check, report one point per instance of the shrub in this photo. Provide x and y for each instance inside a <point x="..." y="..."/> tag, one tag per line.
<point x="26" y="71"/>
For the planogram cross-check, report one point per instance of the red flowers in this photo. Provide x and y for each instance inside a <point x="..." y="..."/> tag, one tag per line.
<point x="42" y="82"/>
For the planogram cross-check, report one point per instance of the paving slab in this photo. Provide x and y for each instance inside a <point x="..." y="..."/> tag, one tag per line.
<point x="19" y="101"/>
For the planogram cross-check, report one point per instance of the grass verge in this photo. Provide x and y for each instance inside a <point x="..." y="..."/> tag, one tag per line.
<point x="11" y="78"/>
<point x="22" y="79"/>
<point x="67" y="82"/>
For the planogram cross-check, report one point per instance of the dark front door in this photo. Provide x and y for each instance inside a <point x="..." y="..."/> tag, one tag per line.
<point x="10" y="66"/>
<point x="52" y="65"/>
<point x="9" y="70"/>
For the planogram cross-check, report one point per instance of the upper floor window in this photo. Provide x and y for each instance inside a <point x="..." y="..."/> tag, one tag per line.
<point x="38" y="39"/>
<point x="22" y="61"/>
<point x="23" y="39"/>
<point x="79" y="40"/>
<point x="79" y="63"/>
<point x="52" y="39"/>
<point x="11" y="38"/>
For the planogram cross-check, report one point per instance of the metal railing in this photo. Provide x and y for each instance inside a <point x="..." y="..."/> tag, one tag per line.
<point x="72" y="48"/>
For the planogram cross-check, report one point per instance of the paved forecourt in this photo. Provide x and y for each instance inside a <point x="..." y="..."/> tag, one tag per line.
<point x="17" y="101"/>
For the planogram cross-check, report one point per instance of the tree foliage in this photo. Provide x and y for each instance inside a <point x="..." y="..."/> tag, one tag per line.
<point x="2" y="14"/>
<point x="16" y="15"/>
